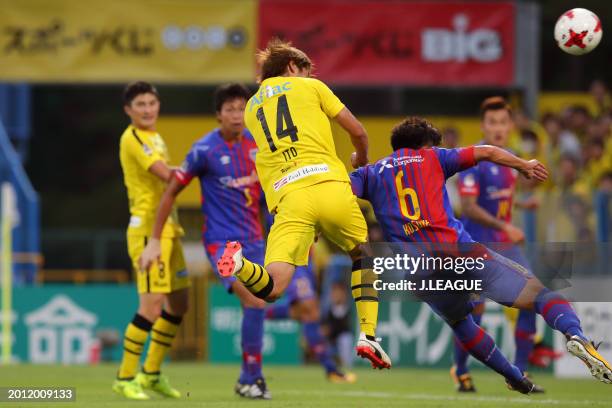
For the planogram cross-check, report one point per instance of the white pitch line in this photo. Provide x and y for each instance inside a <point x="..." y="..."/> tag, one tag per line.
<point x="513" y="400"/>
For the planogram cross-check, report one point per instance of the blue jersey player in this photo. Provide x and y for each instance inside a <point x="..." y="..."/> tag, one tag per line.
<point x="407" y="191"/>
<point x="224" y="162"/>
<point x="487" y="192"/>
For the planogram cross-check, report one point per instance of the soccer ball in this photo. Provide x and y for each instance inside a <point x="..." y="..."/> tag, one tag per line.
<point x="578" y="31"/>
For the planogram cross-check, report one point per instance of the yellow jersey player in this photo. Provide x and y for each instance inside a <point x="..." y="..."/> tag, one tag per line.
<point x="144" y="160"/>
<point x="306" y="185"/>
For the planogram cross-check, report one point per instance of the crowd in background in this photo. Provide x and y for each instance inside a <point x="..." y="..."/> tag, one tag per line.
<point x="575" y="146"/>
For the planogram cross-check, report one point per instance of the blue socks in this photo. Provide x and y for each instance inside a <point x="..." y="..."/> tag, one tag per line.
<point x="316" y="342"/>
<point x="558" y="313"/>
<point x="524" y="333"/>
<point x="461" y="355"/>
<point x="278" y="310"/>
<point x="252" y="343"/>
<point x="479" y="344"/>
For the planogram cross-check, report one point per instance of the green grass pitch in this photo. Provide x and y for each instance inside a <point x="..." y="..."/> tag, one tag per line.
<point x="305" y="386"/>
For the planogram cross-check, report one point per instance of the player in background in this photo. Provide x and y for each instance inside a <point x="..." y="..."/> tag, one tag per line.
<point x="306" y="186"/>
<point x="301" y="303"/>
<point x="411" y="211"/>
<point x="487" y="197"/>
<point x="162" y="288"/>
<point x="224" y="162"/>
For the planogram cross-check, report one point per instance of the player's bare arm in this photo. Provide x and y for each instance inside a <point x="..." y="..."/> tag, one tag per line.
<point x="358" y="134"/>
<point x="471" y="209"/>
<point x="531" y="169"/>
<point x="162" y="170"/>
<point x="152" y="251"/>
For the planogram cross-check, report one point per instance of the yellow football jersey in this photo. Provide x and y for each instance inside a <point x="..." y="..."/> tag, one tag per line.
<point x="138" y="150"/>
<point x="289" y="119"/>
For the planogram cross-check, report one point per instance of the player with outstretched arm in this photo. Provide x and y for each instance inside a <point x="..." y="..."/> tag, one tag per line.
<point x="411" y="210"/>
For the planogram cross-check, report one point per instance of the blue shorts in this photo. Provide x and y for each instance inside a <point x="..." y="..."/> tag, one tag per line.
<point x="302" y="285"/>
<point x="254" y="251"/>
<point x="502" y="278"/>
<point x="514" y="253"/>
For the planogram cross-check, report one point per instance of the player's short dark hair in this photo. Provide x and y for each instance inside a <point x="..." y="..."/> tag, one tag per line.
<point x="133" y="89"/>
<point x="494" y="103"/>
<point x="228" y="92"/>
<point x="414" y="133"/>
<point x="277" y="55"/>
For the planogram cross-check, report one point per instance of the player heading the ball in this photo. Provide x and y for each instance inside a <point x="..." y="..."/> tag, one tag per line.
<point x="306" y="185"/>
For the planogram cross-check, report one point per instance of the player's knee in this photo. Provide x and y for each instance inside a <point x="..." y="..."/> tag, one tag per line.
<point x="527" y="297"/>
<point x="275" y="293"/>
<point x="253" y="302"/>
<point x="178" y="309"/>
<point x="273" y="297"/>
<point x="150" y="311"/>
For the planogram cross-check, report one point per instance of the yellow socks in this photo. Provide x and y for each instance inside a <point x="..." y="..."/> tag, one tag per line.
<point x="134" y="339"/>
<point x="255" y="278"/>
<point x="162" y="334"/>
<point x="365" y="296"/>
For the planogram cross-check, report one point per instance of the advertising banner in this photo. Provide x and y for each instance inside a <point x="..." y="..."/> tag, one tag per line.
<point x="414" y="336"/>
<point x="413" y="43"/>
<point x="118" y="41"/>
<point x="68" y="324"/>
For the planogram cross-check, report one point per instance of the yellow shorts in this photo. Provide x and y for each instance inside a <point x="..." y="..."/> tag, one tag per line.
<point x="165" y="276"/>
<point x="329" y="207"/>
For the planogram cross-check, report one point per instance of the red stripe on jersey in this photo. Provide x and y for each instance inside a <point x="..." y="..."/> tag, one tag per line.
<point x="436" y="182"/>
<point x="423" y="191"/>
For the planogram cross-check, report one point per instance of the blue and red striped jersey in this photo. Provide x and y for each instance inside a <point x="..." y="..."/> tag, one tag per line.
<point x="493" y="185"/>
<point x="408" y="193"/>
<point x="231" y="193"/>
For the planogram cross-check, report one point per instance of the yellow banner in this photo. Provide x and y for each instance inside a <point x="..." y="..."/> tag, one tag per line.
<point x="117" y="41"/>
<point x="180" y="132"/>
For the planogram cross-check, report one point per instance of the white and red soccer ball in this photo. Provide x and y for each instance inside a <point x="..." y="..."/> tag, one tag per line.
<point x="578" y="31"/>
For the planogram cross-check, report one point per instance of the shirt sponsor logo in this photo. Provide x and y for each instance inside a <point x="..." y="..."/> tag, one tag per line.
<point x="495" y="194"/>
<point x="229" y="181"/>
<point x="399" y="161"/>
<point x="268" y="92"/>
<point x="300" y="174"/>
